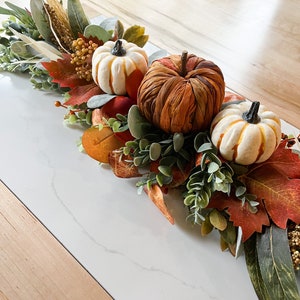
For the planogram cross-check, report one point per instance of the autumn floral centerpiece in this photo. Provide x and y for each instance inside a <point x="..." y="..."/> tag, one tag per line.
<point x="169" y="121"/>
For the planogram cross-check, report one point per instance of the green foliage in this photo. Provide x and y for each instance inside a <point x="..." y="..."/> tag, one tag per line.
<point x="152" y="145"/>
<point x="209" y="176"/>
<point x="270" y="266"/>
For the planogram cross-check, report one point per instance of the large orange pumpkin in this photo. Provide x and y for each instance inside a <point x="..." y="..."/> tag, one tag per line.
<point x="181" y="93"/>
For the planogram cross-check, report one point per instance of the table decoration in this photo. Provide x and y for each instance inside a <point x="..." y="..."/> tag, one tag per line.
<point x="169" y="121"/>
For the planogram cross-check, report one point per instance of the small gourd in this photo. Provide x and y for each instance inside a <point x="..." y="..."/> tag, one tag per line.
<point x="114" y="63"/>
<point x="246" y="133"/>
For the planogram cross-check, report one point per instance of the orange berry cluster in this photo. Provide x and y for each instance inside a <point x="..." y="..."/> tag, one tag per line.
<point x="82" y="57"/>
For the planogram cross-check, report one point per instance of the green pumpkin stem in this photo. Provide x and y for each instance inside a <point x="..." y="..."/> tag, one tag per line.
<point x="118" y="49"/>
<point x="252" y="115"/>
<point x="184" y="56"/>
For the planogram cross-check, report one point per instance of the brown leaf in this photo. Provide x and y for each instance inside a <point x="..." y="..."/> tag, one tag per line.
<point x="156" y="195"/>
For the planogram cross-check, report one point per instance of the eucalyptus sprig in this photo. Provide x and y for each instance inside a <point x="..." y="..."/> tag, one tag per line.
<point x="152" y="145"/>
<point x="209" y="176"/>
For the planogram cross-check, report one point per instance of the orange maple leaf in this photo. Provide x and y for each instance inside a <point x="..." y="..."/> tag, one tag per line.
<point x="276" y="183"/>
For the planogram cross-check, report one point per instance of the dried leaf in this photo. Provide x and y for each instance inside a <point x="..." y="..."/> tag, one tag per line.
<point x="44" y="49"/>
<point x="156" y="195"/>
<point x="122" y="166"/>
<point x="217" y="220"/>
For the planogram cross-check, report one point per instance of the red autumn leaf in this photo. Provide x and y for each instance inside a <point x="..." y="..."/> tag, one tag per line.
<point x="277" y="183"/>
<point x="63" y="72"/>
<point x="82" y="93"/>
<point x="240" y="214"/>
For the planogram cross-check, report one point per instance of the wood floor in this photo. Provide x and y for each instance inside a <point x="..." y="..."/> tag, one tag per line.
<point x="256" y="43"/>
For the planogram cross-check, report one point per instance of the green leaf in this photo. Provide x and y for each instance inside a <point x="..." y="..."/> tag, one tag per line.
<point x="254" y="270"/>
<point x="16" y="11"/>
<point x="40" y="19"/>
<point x="217" y="220"/>
<point x="165" y="170"/>
<point x="178" y="141"/>
<point x="96" y="31"/>
<point x="137" y="124"/>
<point x="99" y="100"/>
<point x="77" y="17"/>
<point x="276" y="265"/>
<point x="155" y="151"/>
<point x="212" y="167"/>
<point x="114" y="25"/>
<point x="135" y="34"/>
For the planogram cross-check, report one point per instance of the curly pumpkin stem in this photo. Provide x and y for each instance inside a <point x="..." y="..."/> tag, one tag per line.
<point x="184" y="56"/>
<point x="252" y="115"/>
<point x="118" y="50"/>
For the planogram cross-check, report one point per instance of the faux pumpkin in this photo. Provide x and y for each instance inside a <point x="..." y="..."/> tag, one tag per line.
<point x="181" y="93"/>
<point x="119" y="66"/>
<point x="246" y="133"/>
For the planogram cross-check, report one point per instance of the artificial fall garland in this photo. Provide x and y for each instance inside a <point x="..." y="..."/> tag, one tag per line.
<point x="169" y="122"/>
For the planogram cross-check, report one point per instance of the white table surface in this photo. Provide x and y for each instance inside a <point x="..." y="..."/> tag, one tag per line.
<point x="120" y="237"/>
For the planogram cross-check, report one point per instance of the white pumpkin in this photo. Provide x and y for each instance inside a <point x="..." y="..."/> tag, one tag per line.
<point x="246" y="133"/>
<point x="113" y="63"/>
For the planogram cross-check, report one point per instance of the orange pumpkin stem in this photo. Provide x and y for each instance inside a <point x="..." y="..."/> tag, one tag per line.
<point x="252" y="115"/>
<point x="118" y="49"/>
<point x="184" y="56"/>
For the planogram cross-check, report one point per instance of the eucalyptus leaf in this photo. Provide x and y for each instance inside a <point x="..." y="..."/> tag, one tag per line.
<point x="155" y="151"/>
<point x="178" y="141"/>
<point x="157" y="55"/>
<point x="217" y="220"/>
<point x="77" y="17"/>
<point x="205" y="147"/>
<point x="165" y="170"/>
<point x="212" y="167"/>
<point x="109" y="23"/>
<point x="276" y="265"/>
<point x="168" y="160"/>
<point x="137" y="124"/>
<point x="96" y="31"/>
<point x="99" y="100"/>
<point x="20" y="49"/>
<point x="240" y="191"/>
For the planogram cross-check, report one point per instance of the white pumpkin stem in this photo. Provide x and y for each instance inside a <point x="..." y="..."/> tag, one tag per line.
<point x="184" y="56"/>
<point x="118" y="49"/>
<point x="252" y="116"/>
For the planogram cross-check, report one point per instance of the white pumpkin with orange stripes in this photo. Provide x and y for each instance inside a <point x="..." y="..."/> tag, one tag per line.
<point x="113" y="63"/>
<point x="246" y="133"/>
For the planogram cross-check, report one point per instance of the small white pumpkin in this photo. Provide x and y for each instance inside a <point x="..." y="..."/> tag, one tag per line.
<point x="113" y="62"/>
<point x="246" y="133"/>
